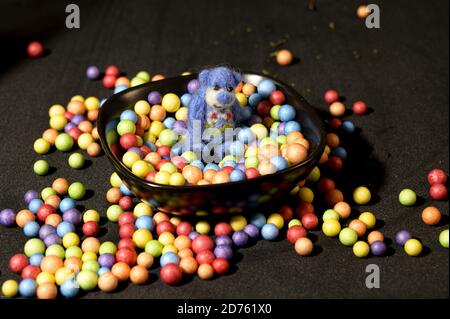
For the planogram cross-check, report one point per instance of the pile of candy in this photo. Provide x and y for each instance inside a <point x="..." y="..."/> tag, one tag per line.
<point x="63" y="256"/>
<point x="151" y="138"/>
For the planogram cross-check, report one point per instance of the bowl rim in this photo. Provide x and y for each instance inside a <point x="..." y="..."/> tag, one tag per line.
<point x="313" y="156"/>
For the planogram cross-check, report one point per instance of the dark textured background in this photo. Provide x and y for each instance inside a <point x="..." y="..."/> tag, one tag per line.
<point x="400" y="70"/>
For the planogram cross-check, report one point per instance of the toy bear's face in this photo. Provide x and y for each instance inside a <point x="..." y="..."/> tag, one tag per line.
<point x="219" y="84"/>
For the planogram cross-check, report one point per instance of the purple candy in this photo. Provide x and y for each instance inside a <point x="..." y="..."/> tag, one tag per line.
<point x="154" y="97"/>
<point x="193" y="85"/>
<point x="193" y="235"/>
<point x="137" y="151"/>
<point x="77" y="119"/>
<point x="223" y="251"/>
<point x="30" y="195"/>
<point x="254" y="119"/>
<point x="106" y="260"/>
<point x="378" y="248"/>
<point x="241" y="167"/>
<point x="52" y="239"/>
<point x="46" y="230"/>
<point x="179" y="127"/>
<point x="69" y="126"/>
<point x="7" y="217"/>
<point x="240" y="238"/>
<point x="224" y="240"/>
<point x="252" y="231"/>
<point x="92" y="72"/>
<point x="281" y="128"/>
<point x="72" y="216"/>
<point x="402" y="237"/>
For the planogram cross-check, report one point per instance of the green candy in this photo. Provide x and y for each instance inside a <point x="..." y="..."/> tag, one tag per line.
<point x="443" y="238"/>
<point x="167" y="137"/>
<point x="126" y="126"/>
<point x="34" y="246"/>
<point x="144" y="75"/>
<point x="407" y="197"/>
<point x="330" y="214"/>
<point x="348" y="236"/>
<point x="87" y="280"/>
<point x="41" y="167"/>
<point x="76" y="160"/>
<point x="64" y="142"/>
<point x="137" y="81"/>
<point x="46" y="192"/>
<point x="73" y="251"/>
<point x="154" y="248"/>
<point x="91" y="265"/>
<point x="113" y="212"/>
<point x="107" y="247"/>
<point x="274" y="112"/>
<point x="76" y="191"/>
<point x="55" y="250"/>
<point x="314" y="176"/>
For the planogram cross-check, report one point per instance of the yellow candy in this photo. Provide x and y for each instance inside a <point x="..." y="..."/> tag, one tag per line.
<point x="171" y="102"/>
<point x="156" y="128"/>
<point x="166" y="238"/>
<point x="45" y="277"/>
<point x="177" y="179"/>
<point x="242" y="99"/>
<point x="70" y="239"/>
<point x="91" y="215"/>
<point x="203" y="227"/>
<point x="142" y="209"/>
<point x="129" y="158"/>
<point x="141" y="168"/>
<point x="169" y="248"/>
<point x="306" y="194"/>
<point x="56" y="109"/>
<point x="181" y="114"/>
<point x="89" y="255"/>
<point x="276" y="219"/>
<point x="10" y="288"/>
<point x="142" y="107"/>
<point x="63" y="274"/>
<point x="142" y="237"/>
<point x="58" y="122"/>
<point x="238" y="223"/>
<point x="115" y="180"/>
<point x="84" y="140"/>
<point x="92" y="103"/>
<point x="361" y="249"/>
<point x="368" y="219"/>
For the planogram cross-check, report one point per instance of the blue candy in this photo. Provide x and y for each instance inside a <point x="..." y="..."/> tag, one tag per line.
<point x="292" y="126"/>
<point x="129" y="115"/>
<point x="246" y="135"/>
<point x="279" y="162"/>
<point x="265" y="87"/>
<point x="31" y="229"/>
<point x="254" y="99"/>
<point x="169" y="121"/>
<point x="69" y="288"/>
<point x="259" y="220"/>
<point x="64" y="227"/>
<point x="348" y="126"/>
<point x="35" y="204"/>
<point x="186" y="99"/>
<point x="269" y="232"/>
<point x="286" y="113"/>
<point x="36" y="259"/>
<point x="27" y="287"/>
<point x="66" y="204"/>
<point x="124" y="189"/>
<point x="145" y="222"/>
<point x="169" y="258"/>
<point x="237" y="175"/>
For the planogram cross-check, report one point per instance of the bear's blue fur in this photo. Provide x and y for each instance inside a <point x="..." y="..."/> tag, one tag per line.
<point x="221" y="77"/>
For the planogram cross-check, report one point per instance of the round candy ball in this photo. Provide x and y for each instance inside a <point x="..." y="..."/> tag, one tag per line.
<point x="69" y="288"/>
<point x="443" y="238"/>
<point x="378" y="248"/>
<point x="171" y="102"/>
<point x="18" y="262"/>
<point x="431" y="215"/>
<point x="41" y="167"/>
<point x="348" y="236"/>
<point x="7" y="217"/>
<point x="284" y="57"/>
<point x="269" y="231"/>
<point x="47" y="291"/>
<point x="10" y="288"/>
<point x="361" y="195"/>
<point x="296" y="232"/>
<point x="240" y="238"/>
<point x="87" y="280"/>
<point x="361" y="249"/>
<point x="265" y="87"/>
<point x="76" y="191"/>
<point x="171" y="274"/>
<point x="402" y="237"/>
<point x="64" y="142"/>
<point x="337" y="109"/>
<point x="35" y="49"/>
<point x="359" y="108"/>
<point x="304" y="246"/>
<point x="331" y="228"/>
<point x="413" y="247"/>
<point x="331" y="96"/>
<point x="438" y="192"/>
<point x="27" y="287"/>
<point x="107" y="282"/>
<point x="407" y="197"/>
<point x="92" y="72"/>
<point x="437" y="176"/>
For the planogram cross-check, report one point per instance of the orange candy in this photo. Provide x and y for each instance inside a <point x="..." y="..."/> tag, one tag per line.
<point x="431" y="215"/>
<point x="358" y="226"/>
<point x="23" y="217"/>
<point x="188" y="265"/>
<point x="53" y="200"/>
<point x="107" y="282"/>
<point x="186" y="252"/>
<point x="337" y="109"/>
<point x="86" y="126"/>
<point x="92" y="115"/>
<point x="51" y="264"/>
<point x="192" y="174"/>
<point x="284" y="57"/>
<point x="332" y="140"/>
<point x="94" y="149"/>
<point x="158" y="77"/>
<point x="76" y="107"/>
<point x="121" y="271"/>
<point x="73" y="263"/>
<point x="182" y="242"/>
<point x="334" y="196"/>
<point x="248" y="89"/>
<point x="53" y="219"/>
<point x="50" y="135"/>
<point x="343" y="209"/>
<point x="205" y="271"/>
<point x="209" y="174"/>
<point x="47" y="291"/>
<point x="293" y="136"/>
<point x="138" y="275"/>
<point x="375" y="236"/>
<point x="157" y="113"/>
<point x="221" y="177"/>
<point x="145" y="260"/>
<point x="296" y="153"/>
<point x="113" y="195"/>
<point x="60" y="185"/>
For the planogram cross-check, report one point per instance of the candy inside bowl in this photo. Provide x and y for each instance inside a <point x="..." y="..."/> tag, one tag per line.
<point x="246" y="194"/>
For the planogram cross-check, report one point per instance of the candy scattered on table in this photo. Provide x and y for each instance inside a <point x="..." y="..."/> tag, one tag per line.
<point x="35" y="49"/>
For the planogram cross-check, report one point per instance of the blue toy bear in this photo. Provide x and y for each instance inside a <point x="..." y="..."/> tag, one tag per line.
<point x="214" y="104"/>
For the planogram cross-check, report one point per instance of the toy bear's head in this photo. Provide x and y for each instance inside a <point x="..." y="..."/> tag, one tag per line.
<point x="218" y="85"/>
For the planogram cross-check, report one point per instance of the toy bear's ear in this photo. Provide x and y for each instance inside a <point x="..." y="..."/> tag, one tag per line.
<point x="237" y="77"/>
<point x="203" y="77"/>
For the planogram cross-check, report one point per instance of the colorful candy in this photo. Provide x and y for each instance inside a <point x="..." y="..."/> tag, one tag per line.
<point x="407" y="197"/>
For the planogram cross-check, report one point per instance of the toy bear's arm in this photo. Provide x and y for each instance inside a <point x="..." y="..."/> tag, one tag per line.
<point x="236" y="110"/>
<point x="196" y="112"/>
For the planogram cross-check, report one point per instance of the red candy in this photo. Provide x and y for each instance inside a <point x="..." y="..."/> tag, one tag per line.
<point x="18" y="262"/>
<point x="126" y="203"/>
<point x="126" y="231"/>
<point x="331" y="96"/>
<point x="128" y="140"/>
<point x="205" y="257"/>
<point x="30" y="271"/>
<point x="437" y="176"/>
<point x="126" y="243"/>
<point x="251" y="173"/>
<point x="35" y="49"/>
<point x="127" y="256"/>
<point x="304" y="208"/>
<point x="184" y="228"/>
<point x="90" y="229"/>
<point x="44" y="211"/>
<point x="223" y="229"/>
<point x="202" y="242"/>
<point x="438" y="192"/>
<point x="165" y="226"/>
<point x="171" y="274"/>
<point x="296" y="232"/>
<point x="150" y="176"/>
<point x="112" y="70"/>
<point x="126" y="218"/>
<point x="335" y="163"/>
<point x="227" y="169"/>
<point x="74" y="133"/>
<point x="359" y="108"/>
<point x="221" y="266"/>
<point x="335" y="123"/>
<point x="277" y="97"/>
<point x="263" y="108"/>
<point x="310" y="221"/>
<point x="325" y="185"/>
<point x="163" y="150"/>
<point x="286" y="212"/>
<point x="109" y="81"/>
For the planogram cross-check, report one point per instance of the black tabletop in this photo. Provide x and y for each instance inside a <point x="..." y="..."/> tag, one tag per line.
<point x="400" y="70"/>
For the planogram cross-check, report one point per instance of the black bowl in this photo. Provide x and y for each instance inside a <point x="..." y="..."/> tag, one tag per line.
<point x="234" y="197"/>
